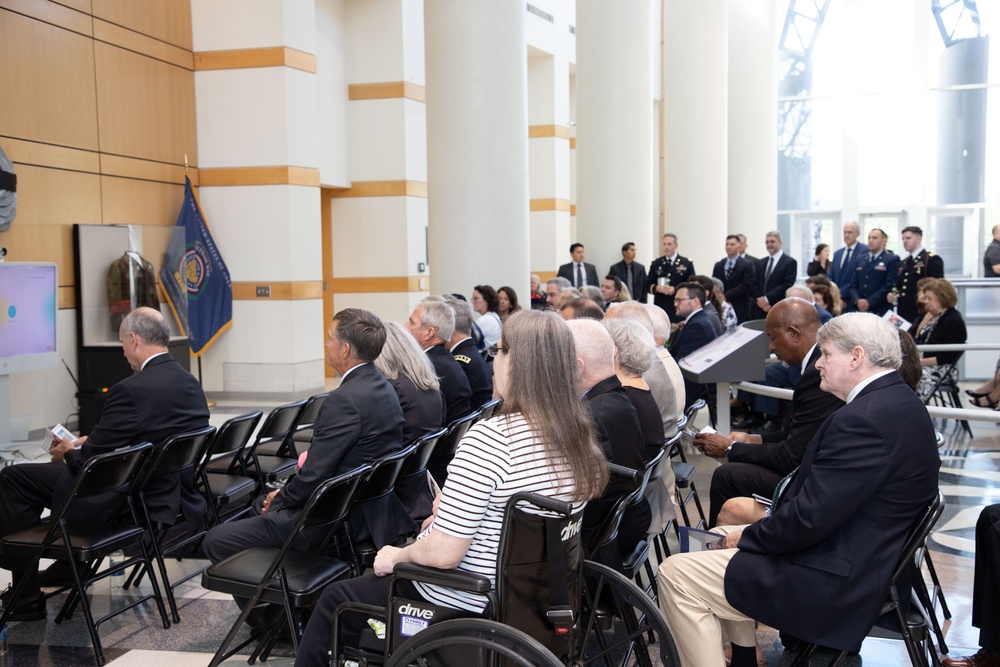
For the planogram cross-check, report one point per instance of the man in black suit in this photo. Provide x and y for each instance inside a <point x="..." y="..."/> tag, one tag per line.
<point x="985" y="593"/>
<point x="630" y="272"/>
<point x="695" y="331"/>
<point x="578" y="272"/>
<point x="918" y="265"/>
<point x="846" y="258"/>
<point x="666" y="273"/>
<point x="432" y="324"/>
<point x="756" y="463"/>
<point x="775" y="274"/>
<point x="818" y="567"/>
<point x="463" y="348"/>
<point x="160" y="400"/>
<point x="737" y="276"/>
<point x="618" y="432"/>
<point x="360" y="422"/>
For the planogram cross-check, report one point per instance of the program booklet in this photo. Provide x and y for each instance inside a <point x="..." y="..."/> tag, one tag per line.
<point x="57" y="431"/>
<point x="693" y="540"/>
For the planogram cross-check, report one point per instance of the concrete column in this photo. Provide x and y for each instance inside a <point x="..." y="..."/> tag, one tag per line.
<point x="257" y="100"/>
<point x="477" y="144"/>
<point x="753" y="107"/>
<point x="695" y="127"/>
<point x="614" y="129"/>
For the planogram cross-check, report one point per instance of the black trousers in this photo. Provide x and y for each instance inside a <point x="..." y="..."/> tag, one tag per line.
<point x="318" y="637"/>
<point x="986" y="589"/>
<point x="736" y="480"/>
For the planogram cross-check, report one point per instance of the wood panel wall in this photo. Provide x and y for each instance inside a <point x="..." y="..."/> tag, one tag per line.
<point x="97" y="113"/>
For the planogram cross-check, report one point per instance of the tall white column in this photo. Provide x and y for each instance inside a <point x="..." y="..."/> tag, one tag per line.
<point x="614" y="129"/>
<point x="477" y="144"/>
<point x="695" y="127"/>
<point x="753" y="109"/>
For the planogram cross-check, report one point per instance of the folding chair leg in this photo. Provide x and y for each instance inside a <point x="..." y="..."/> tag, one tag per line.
<point x="938" y="591"/>
<point x="924" y="598"/>
<point x="85" y="605"/>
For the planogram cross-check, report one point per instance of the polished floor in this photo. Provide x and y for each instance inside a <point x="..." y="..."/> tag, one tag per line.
<point x="970" y="479"/>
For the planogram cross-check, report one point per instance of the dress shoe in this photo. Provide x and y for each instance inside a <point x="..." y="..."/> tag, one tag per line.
<point x="752" y="420"/>
<point x="985" y="658"/>
<point x="769" y="426"/>
<point x="57" y="575"/>
<point x="27" y="609"/>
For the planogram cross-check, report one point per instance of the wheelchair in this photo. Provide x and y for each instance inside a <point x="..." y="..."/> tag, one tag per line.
<point x="549" y="607"/>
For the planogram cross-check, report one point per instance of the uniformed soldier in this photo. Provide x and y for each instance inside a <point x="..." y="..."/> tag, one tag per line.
<point x="874" y="277"/>
<point x="666" y="273"/>
<point x="920" y="264"/>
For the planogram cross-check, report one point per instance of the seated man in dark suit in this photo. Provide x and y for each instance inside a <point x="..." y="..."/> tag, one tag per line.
<point x="695" y="331"/>
<point x="985" y="593"/>
<point x="463" y="348"/>
<point x="631" y="273"/>
<point x="818" y="567"/>
<point x="756" y="463"/>
<point x="160" y="400"/>
<point x="618" y="432"/>
<point x="432" y="324"/>
<point x="360" y="422"/>
<point x="578" y="272"/>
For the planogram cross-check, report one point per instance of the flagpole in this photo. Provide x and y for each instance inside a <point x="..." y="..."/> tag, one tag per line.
<point x="211" y="403"/>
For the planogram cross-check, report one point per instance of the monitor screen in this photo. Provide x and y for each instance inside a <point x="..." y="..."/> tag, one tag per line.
<point x="28" y="306"/>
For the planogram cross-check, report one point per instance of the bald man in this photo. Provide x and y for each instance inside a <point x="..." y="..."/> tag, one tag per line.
<point x="617" y="430"/>
<point x="756" y="463"/>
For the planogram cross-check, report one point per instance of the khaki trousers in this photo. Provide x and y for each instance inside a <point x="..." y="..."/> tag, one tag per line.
<point x="693" y="600"/>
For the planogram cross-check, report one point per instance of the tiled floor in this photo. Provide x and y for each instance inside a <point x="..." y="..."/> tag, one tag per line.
<point x="970" y="479"/>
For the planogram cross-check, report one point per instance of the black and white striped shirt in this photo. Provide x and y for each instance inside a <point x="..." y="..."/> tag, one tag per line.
<point x="496" y="459"/>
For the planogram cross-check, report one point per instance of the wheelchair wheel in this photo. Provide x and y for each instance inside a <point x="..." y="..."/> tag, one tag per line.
<point x="620" y="624"/>
<point x="475" y="642"/>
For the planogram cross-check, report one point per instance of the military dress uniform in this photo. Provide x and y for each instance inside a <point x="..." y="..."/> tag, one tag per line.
<point x="911" y="271"/>
<point x="677" y="271"/>
<point x="873" y="279"/>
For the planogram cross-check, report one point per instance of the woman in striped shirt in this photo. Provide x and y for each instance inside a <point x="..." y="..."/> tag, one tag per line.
<point x="541" y="441"/>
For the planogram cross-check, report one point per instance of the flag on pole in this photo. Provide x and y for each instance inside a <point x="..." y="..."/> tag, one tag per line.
<point x="195" y="280"/>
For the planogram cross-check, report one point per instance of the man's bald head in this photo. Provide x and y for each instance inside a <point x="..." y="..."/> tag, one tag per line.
<point x="791" y="327"/>
<point x="595" y="351"/>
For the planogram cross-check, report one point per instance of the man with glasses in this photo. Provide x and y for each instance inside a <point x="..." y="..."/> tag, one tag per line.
<point x="694" y="332"/>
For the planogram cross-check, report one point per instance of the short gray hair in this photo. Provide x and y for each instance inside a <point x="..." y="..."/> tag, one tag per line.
<point x="661" y="323"/>
<point x="870" y="332"/>
<point x="438" y="314"/>
<point x="719" y="285"/>
<point x="463" y="316"/>
<point x="560" y="281"/>
<point x="636" y="349"/>
<point x="775" y="233"/>
<point x="801" y="292"/>
<point x="594" y="294"/>
<point x="402" y="356"/>
<point x="148" y="325"/>
<point x="634" y="311"/>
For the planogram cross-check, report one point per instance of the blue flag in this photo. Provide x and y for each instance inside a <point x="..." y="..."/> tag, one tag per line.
<point x="195" y="279"/>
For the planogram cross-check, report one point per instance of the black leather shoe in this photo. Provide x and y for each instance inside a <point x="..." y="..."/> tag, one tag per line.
<point x="57" y="575"/>
<point x="30" y="609"/>
<point x="769" y="426"/>
<point x="985" y="658"/>
<point x="750" y="421"/>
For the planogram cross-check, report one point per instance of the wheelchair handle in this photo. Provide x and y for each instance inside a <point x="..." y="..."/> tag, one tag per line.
<point x="558" y="506"/>
<point x="622" y="471"/>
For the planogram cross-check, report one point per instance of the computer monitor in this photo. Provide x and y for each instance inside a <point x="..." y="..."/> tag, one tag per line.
<point x="28" y="306"/>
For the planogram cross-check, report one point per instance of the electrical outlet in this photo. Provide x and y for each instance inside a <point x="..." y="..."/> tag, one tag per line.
<point x="263" y="291"/>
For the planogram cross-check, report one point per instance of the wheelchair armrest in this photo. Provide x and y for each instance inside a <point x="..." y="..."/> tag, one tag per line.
<point x="463" y="581"/>
<point x="628" y="473"/>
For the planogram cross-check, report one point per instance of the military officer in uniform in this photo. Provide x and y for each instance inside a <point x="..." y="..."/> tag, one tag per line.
<point x="874" y="277"/>
<point x="920" y="264"/>
<point x="666" y="273"/>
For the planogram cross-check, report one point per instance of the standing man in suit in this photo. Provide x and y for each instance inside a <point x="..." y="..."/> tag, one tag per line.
<point x="837" y="530"/>
<point x="360" y="422"/>
<point x="630" y="272"/>
<point x="737" y="276"/>
<point x="463" y="348"/>
<point x="160" y="400"/>
<point x="874" y="277"/>
<point x="743" y="249"/>
<point x="774" y="275"/>
<point x="756" y="463"/>
<point x="578" y="272"/>
<point x="432" y="324"/>
<point x="695" y="331"/>
<point x="666" y="273"/>
<point x="844" y="260"/>
<point x="919" y="264"/>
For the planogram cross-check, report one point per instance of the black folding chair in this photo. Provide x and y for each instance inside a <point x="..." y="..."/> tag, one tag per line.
<point x="412" y="488"/>
<point x="489" y="408"/>
<point x="84" y="542"/>
<point x="178" y="455"/>
<point x="267" y="469"/>
<point x="300" y="436"/>
<point x="912" y="628"/>
<point x="445" y="450"/>
<point x="230" y="481"/>
<point x="294" y="579"/>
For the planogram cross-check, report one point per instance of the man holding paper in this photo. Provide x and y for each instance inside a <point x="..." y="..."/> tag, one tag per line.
<point x="160" y="400"/>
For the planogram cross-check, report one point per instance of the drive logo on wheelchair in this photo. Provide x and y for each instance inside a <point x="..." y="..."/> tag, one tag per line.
<point x="570" y="530"/>
<point x="413" y="619"/>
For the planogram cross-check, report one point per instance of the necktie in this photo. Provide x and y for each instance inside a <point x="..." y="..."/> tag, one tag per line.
<point x="628" y="280"/>
<point x="846" y="259"/>
<point x="770" y="265"/>
<point x="871" y="257"/>
<point x="579" y="275"/>
<point x="729" y="268"/>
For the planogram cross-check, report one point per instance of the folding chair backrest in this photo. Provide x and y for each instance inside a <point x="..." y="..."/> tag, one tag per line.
<point x="693" y="409"/>
<point x="531" y="581"/>
<point x="918" y="536"/>
<point x="456" y="431"/>
<point x="114" y="471"/>
<point x="233" y="436"/>
<point x="417" y="463"/>
<point x="489" y="408"/>
<point x="609" y="530"/>
<point x="308" y="415"/>
<point x="181" y="452"/>
<point x="382" y="478"/>
<point x="332" y="500"/>
<point x="279" y="422"/>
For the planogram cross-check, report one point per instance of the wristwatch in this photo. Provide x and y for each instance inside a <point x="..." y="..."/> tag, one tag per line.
<point x="726" y="453"/>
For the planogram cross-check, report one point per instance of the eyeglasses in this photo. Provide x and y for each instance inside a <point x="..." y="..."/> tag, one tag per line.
<point x="683" y="298"/>
<point x="494" y="350"/>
